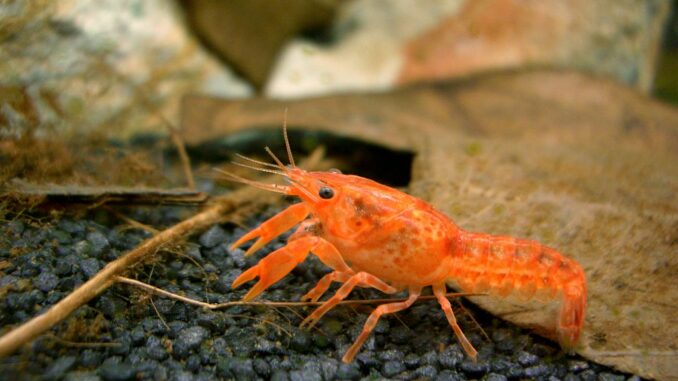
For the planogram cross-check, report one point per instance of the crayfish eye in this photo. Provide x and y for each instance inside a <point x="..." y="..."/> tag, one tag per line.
<point x="326" y="193"/>
<point x="334" y="170"/>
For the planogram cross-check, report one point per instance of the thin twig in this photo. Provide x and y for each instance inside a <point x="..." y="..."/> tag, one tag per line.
<point x="470" y="315"/>
<point x="79" y="344"/>
<point x="215" y="306"/>
<point x="218" y="211"/>
<point x="132" y="222"/>
<point x="183" y="156"/>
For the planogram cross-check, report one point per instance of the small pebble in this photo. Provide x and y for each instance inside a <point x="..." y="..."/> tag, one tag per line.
<point x="155" y="349"/>
<point x="188" y="339"/>
<point x="495" y="377"/>
<point x="58" y="368"/>
<point x="280" y="375"/>
<point x="213" y="237"/>
<point x="392" y="368"/>
<point x="450" y="357"/>
<point x="537" y="371"/>
<point x="82" y="376"/>
<point x="17" y="226"/>
<point x="412" y="361"/>
<point x="350" y="371"/>
<point x="241" y="369"/>
<point x="181" y="375"/>
<point x="526" y="359"/>
<point x="474" y="369"/>
<point x="83" y="248"/>
<point x="262" y="367"/>
<point x="577" y="365"/>
<point x="46" y="281"/>
<point x="426" y="372"/>
<point x="90" y="267"/>
<point x="117" y="372"/>
<point x="449" y="375"/>
<point x="605" y="376"/>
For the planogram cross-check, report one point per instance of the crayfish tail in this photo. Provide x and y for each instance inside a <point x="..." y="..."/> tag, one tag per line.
<point x="503" y="266"/>
<point x="571" y="318"/>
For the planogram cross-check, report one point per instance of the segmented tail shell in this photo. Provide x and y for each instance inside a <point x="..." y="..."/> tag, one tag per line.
<point x="502" y="265"/>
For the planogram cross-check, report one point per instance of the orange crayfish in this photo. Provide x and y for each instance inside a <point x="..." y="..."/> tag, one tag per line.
<point x="372" y="235"/>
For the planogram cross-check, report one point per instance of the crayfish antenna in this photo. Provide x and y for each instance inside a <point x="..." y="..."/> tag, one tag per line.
<point x="256" y="161"/>
<point x="287" y="141"/>
<point x="267" y="170"/>
<point x="269" y="187"/>
<point x="275" y="158"/>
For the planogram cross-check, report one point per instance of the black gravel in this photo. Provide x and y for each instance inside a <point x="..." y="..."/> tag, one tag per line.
<point x="126" y="335"/>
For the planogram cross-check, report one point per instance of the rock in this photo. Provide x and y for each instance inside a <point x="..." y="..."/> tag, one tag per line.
<point x="62" y="236"/>
<point x="110" y="305"/>
<point x="46" y="281"/>
<point x="193" y="363"/>
<point x="392" y="368"/>
<point x="238" y="256"/>
<point x="98" y="241"/>
<point x="474" y="369"/>
<point x="182" y="375"/>
<point x="90" y="267"/>
<point x="449" y="375"/>
<point x="124" y="345"/>
<point x="71" y="226"/>
<point x="412" y="361"/>
<point x="379" y="45"/>
<point x="82" y="376"/>
<point x="280" y="375"/>
<point x="576" y="366"/>
<point x="349" y="371"/>
<point x="213" y="321"/>
<point x="137" y="335"/>
<point x="426" y="372"/>
<point x="90" y="358"/>
<point x="262" y="367"/>
<point x="509" y="42"/>
<point x="117" y="371"/>
<point x="188" y="339"/>
<point x="537" y="371"/>
<point x="154" y="326"/>
<point x="248" y="34"/>
<point x="495" y="377"/>
<point x="309" y="372"/>
<point x="391" y="355"/>
<point x="212" y="237"/>
<point x="365" y="52"/>
<point x="605" y="376"/>
<point x="301" y="341"/>
<point x="527" y="359"/>
<point x="65" y="265"/>
<point x="85" y="61"/>
<point x="155" y="349"/>
<point x="329" y="369"/>
<point x="57" y="369"/>
<point x="17" y="227"/>
<point x="450" y="357"/>
<point x="83" y="248"/>
<point x="240" y="369"/>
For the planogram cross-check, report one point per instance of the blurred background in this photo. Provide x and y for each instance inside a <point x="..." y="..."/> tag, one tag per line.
<point x="79" y="64"/>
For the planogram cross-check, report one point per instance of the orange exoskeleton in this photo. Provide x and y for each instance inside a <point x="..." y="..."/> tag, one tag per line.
<point x="372" y="235"/>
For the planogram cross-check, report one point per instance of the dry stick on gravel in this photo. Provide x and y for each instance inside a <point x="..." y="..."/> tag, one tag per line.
<point x="245" y="197"/>
<point x="215" y="306"/>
